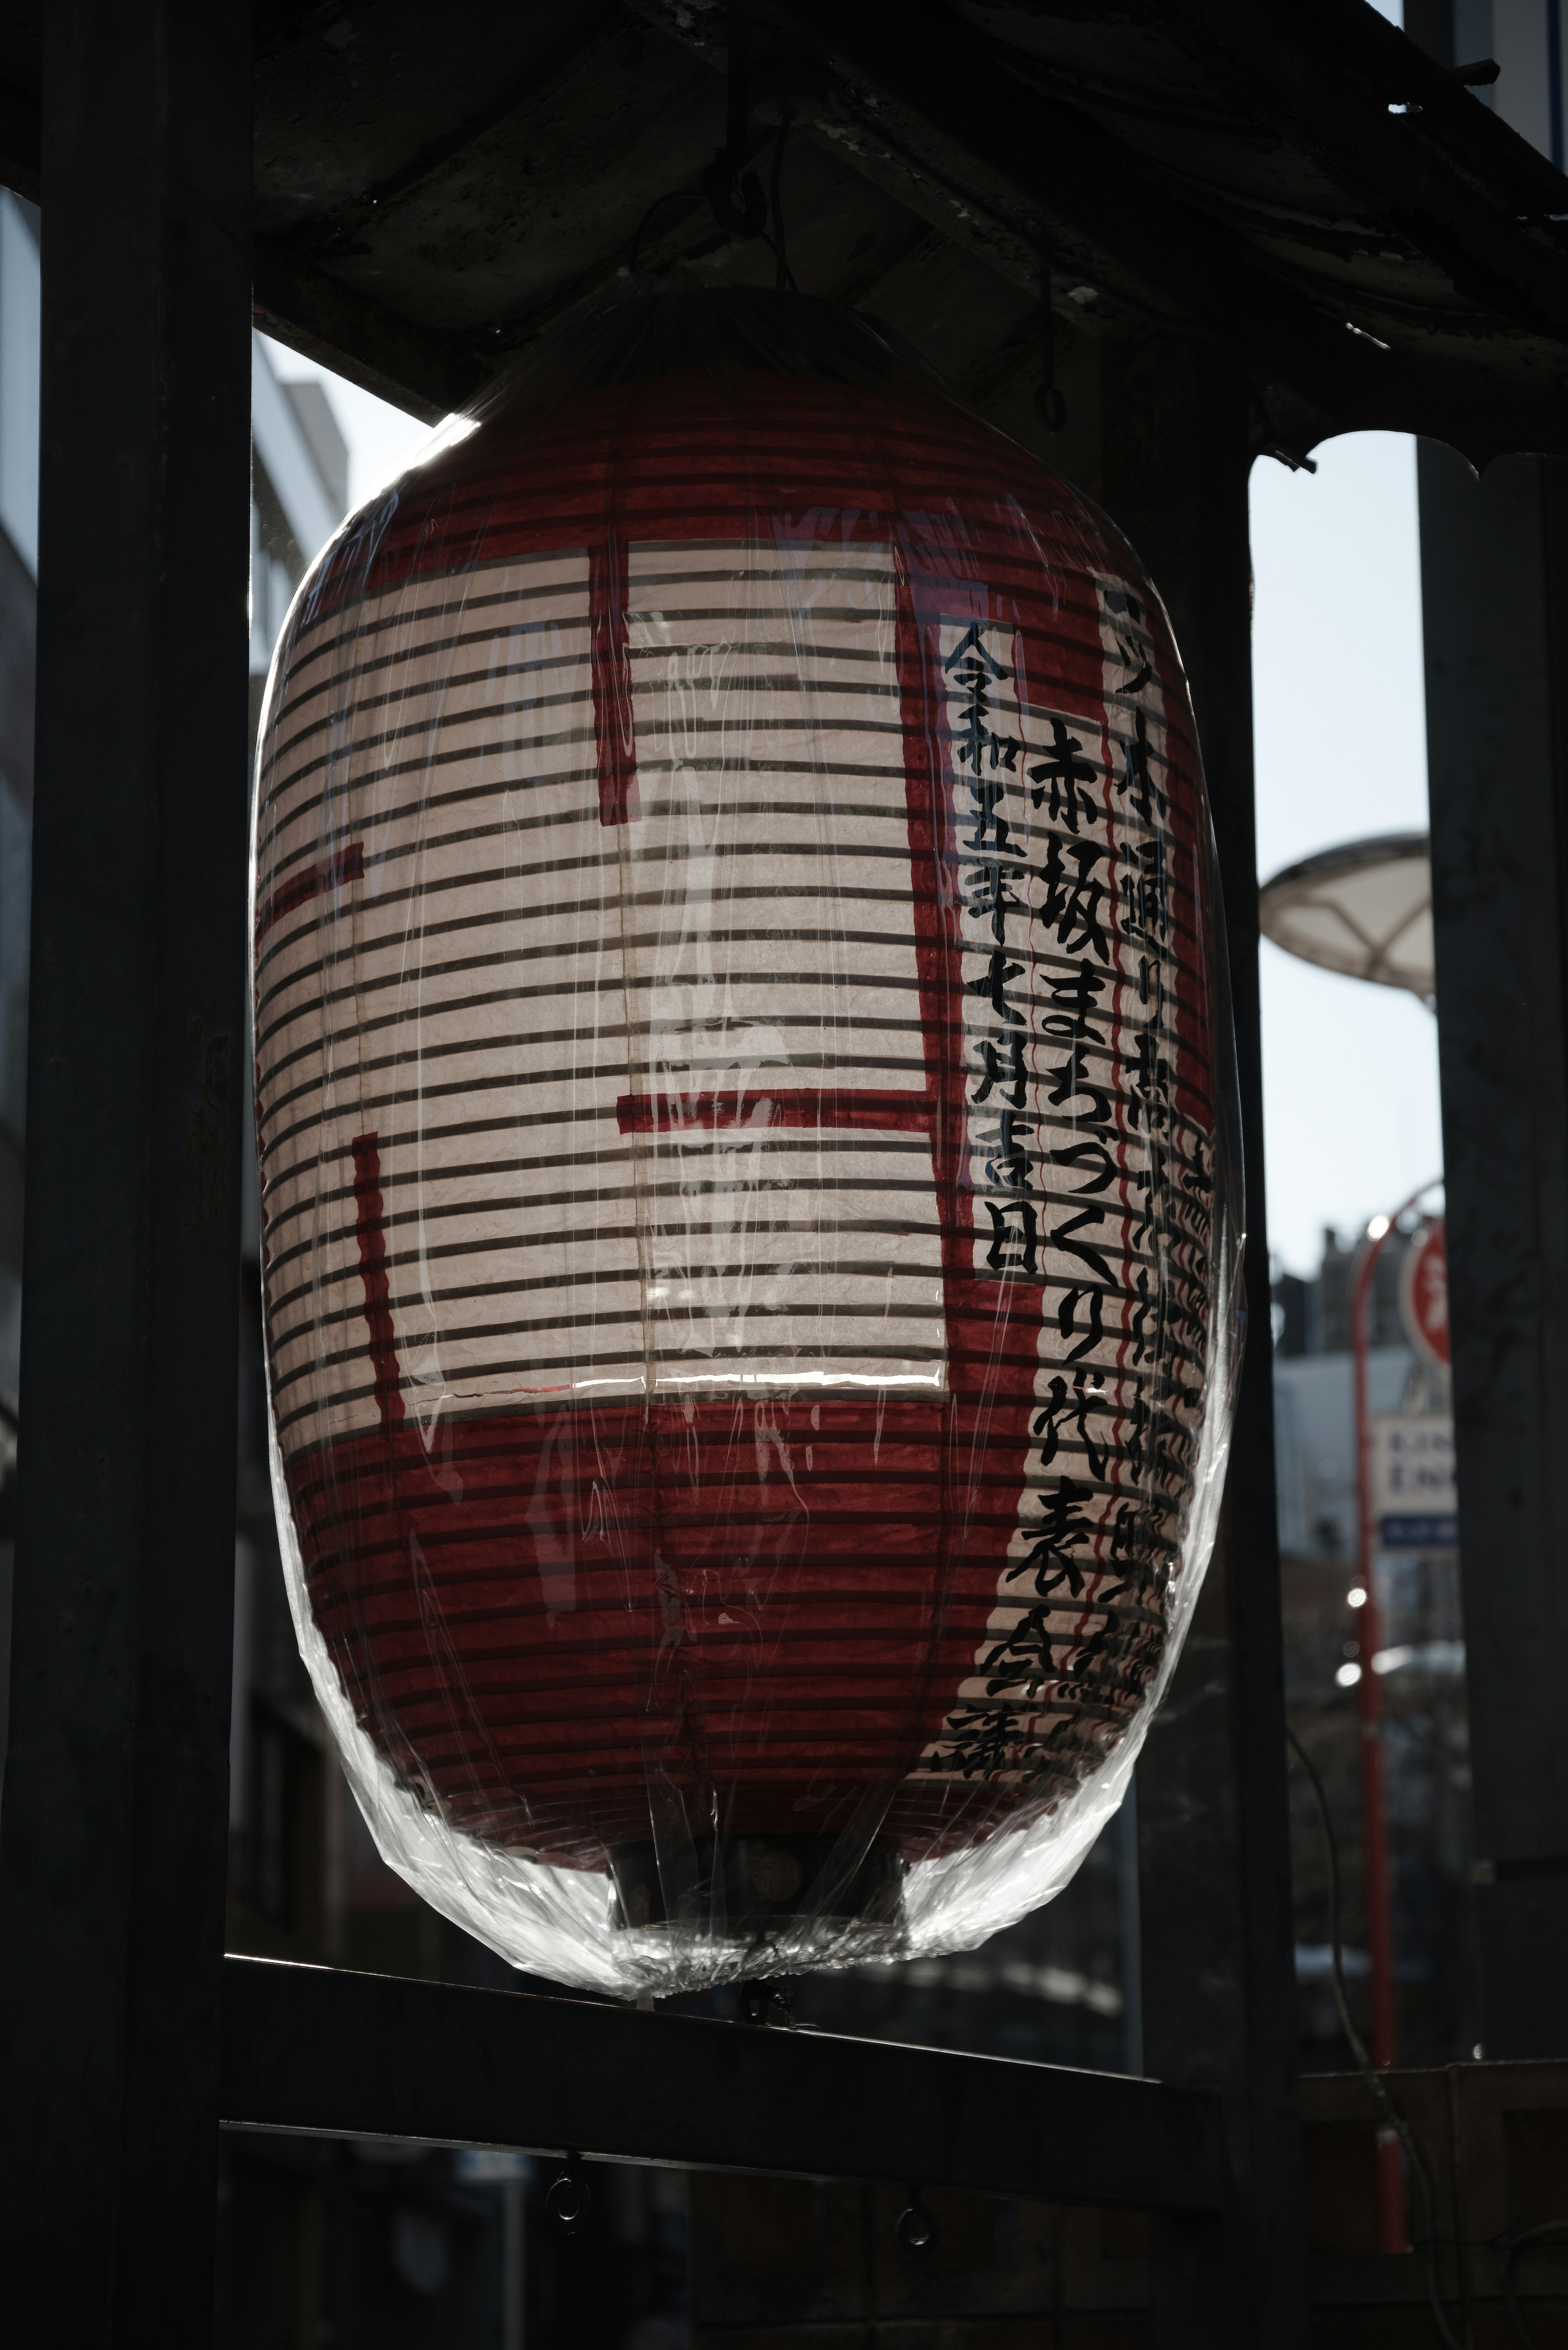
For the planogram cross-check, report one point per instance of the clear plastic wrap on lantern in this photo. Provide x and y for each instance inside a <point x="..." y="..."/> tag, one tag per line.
<point x="744" y="1101"/>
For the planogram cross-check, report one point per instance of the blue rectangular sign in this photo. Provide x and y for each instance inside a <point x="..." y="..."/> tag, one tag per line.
<point x="1418" y="1533"/>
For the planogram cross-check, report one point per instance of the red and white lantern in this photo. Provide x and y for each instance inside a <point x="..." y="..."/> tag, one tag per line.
<point x="742" y="1073"/>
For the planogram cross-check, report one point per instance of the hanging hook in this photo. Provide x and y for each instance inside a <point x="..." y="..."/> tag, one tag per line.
<point x="765" y="2002"/>
<point x="740" y="207"/>
<point x="737" y="83"/>
<point x="918" y="2230"/>
<point x="1048" y="401"/>
<point x="568" y="2197"/>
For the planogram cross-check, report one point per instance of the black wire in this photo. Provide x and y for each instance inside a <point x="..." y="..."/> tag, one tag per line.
<point x="670" y="196"/>
<point x="1428" y="2240"/>
<point x="1048" y="401"/>
<point x="1510" y="2297"/>
<point x="783" y="277"/>
<point x="1335" y="1940"/>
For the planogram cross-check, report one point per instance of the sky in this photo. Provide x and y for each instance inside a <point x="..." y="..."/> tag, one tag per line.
<point x="381" y="440"/>
<point x="1351" y="1123"/>
<point x="1350" y="1071"/>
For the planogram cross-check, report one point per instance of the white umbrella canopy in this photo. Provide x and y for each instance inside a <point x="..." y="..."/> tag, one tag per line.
<point x="1363" y="908"/>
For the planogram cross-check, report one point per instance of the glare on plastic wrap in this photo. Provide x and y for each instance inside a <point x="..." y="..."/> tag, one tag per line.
<point x="744" y="1101"/>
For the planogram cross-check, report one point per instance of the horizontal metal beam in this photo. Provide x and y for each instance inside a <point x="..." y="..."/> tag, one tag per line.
<point x="961" y="126"/>
<point x="1448" y="173"/>
<point x="20" y="161"/>
<point x="322" y="2050"/>
<point x="916" y="93"/>
<point x="315" y="315"/>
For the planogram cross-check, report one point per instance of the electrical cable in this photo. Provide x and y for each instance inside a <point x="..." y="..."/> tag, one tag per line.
<point x="1049" y="404"/>
<point x="670" y="196"/>
<point x="1510" y="2294"/>
<point x="1428" y="2239"/>
<point x="783" y="278"/>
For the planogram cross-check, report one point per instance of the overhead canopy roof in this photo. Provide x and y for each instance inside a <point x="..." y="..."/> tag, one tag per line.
<point x="1297" y="181"/>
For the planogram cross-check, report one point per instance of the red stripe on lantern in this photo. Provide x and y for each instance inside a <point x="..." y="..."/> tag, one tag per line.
<point x="334" y="872"/>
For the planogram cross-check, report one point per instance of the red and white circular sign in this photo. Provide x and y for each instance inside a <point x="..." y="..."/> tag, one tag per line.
<point x="1424" y="1294"/>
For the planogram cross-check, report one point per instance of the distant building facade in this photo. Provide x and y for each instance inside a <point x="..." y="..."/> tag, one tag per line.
<point x="1311" y="1314"/>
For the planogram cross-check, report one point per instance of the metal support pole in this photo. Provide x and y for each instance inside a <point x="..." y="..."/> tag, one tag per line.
<point x="1382" y="2038"/>
<point x="113" y="1840"/>
<point x="1219" y="1988"/>
<point x="514" y="2263"/>
<point x="1494" y="594"/>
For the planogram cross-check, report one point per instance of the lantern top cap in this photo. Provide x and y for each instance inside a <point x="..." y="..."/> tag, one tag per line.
<point x="642" y="327"/>
<point x="656" y="411"/>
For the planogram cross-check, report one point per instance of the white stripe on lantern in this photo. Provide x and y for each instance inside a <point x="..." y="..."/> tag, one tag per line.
<point x="506" y="975"/>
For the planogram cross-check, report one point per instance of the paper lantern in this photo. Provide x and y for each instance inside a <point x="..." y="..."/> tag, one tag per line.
<point x="741" y="1084"/>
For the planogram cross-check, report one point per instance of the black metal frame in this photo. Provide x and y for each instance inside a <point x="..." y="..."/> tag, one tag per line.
<point x="126" y="2036"/>
<point x="111" y="1879"/>
<point x="112" y="1874"/>
<point x="304" y="2048"/>
<point x="112" y="1867"/>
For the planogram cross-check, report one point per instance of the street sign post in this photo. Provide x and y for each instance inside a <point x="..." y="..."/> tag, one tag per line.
<point x="1393" y="2219"/>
